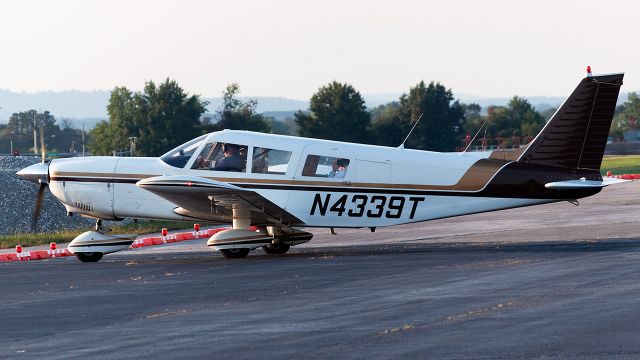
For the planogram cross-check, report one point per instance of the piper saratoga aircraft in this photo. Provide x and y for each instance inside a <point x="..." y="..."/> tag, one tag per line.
<point x="281" y="184"/>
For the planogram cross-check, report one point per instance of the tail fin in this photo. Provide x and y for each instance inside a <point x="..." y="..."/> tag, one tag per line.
<point x="576" y="135"/>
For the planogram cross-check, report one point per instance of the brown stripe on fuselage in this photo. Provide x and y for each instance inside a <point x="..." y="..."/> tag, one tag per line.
<point x="102" y="175"/>
<point x="508" y="154"/>
<point x="474" y="179"/>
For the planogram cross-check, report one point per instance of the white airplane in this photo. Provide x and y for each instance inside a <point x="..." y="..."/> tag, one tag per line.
<point x="281" y="184"/>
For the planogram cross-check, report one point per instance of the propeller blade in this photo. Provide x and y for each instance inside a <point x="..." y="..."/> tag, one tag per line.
<point x="38" y="207"/>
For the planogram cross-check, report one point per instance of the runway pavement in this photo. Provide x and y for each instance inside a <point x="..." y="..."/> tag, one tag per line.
<point x="553" y="281"/>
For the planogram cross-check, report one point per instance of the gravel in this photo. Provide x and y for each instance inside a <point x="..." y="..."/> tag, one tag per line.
<point x="18" y="197"/>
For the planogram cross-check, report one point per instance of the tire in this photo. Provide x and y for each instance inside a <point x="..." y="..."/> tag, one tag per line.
<point x="235" y="253"/>
<point x="276" y="249"/>
<point x="89" y="256"/>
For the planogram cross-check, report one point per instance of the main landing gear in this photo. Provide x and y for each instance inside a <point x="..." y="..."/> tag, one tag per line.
<point x="238" y="241"/>
<point x="89" y="256"/>
<point x="235" y="253"/>
<point x="278" y="248"/>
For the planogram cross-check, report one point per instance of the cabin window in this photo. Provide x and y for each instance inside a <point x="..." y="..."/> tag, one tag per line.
<point x="219" y="156"/>
<point x="179" y="156"/>
<point x="270" y="161"/>
<point x="325" y="166"/>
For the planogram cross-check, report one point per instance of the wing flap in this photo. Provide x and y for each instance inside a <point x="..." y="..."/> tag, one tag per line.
<point x="213" y="200"/>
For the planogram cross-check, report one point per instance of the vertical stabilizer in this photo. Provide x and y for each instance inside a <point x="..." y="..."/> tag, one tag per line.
<point x="576" y="135"/>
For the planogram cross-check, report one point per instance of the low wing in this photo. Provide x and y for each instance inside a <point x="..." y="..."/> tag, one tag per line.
<point x="583" y="183"/>
<point x="213" y="200"/>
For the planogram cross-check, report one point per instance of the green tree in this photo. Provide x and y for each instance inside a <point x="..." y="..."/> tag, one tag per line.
<point x="507" y="125"/>
<point x="237" y="114"/>
<point x="627" y="117"/>
<point x="388" y="127"/>
<point x="336" y="112"/>
<point x="473" y="118"/>
<point x="165" y="117"/>
<point x="442" y="117"/>
<point x="20" y="127"/>
<point x="161" y="117"/>
<point x="523" y="113"/>
<point x="106" y="137"/>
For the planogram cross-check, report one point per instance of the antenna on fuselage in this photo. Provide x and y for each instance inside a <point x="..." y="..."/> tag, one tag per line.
<point x="476" y="135"/>
<point x="410" y="131"/>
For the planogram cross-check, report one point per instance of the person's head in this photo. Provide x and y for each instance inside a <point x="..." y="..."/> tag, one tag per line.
<point x="342" y="163"/>
<point x="230" y="149"/>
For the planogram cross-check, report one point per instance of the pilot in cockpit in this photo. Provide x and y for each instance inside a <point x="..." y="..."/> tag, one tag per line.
<point x="232" y="160"/>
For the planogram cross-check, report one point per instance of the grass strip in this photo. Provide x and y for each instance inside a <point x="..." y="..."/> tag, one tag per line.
<point x="621" y="164"/>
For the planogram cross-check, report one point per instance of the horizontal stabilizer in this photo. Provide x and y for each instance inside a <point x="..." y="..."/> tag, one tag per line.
<point x="583" y="184"/>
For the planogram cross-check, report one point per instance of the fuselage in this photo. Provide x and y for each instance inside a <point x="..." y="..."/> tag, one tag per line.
<point x="379" y="186"/>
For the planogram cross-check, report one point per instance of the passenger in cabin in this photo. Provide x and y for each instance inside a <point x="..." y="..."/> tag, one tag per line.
<point x="243" y="155"/>
<point x="260" y="160"/>
<point x="232" y="160"/>
<point x="339" y="168"/>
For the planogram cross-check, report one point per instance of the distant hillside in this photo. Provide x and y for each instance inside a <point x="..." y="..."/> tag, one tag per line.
<point x="68" y="104"/>
<point x="89" y="107"/>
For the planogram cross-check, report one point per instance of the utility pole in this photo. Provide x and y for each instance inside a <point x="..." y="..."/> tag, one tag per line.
<point x="132" y="148"/>
<point x="82" y="140"/>
<point x="35" y="135"/>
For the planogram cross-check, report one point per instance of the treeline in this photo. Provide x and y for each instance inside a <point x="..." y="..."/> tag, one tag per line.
<point x="337" y="112"/>
<point x="58" y="135"/>
<point x="164" y="116"/>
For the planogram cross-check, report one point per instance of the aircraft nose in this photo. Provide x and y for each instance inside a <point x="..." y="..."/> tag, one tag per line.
<point x="37" y="173"/>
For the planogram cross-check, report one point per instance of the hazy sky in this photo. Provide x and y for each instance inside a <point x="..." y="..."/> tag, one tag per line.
<point x="290" y="48"/>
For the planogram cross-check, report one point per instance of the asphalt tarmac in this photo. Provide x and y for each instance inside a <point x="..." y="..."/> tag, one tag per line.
<point x="553" y="281"/>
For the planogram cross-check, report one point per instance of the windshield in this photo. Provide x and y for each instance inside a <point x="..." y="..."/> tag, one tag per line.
<point x="179" y="156"/>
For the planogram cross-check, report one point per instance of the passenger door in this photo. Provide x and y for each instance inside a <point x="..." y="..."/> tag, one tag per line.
<point x="312" y="181"/>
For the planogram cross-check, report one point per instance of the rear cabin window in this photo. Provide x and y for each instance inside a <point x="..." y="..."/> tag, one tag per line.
<point x="325" y="166"/>
<point x="222" y="157"/>
<point x="270" y="161"/>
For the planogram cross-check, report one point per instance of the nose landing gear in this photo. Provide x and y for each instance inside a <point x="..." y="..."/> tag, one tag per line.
<point x="90" y="246"/>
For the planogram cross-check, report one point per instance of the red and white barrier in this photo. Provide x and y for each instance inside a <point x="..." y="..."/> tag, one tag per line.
<point x="624" y="176"/>
<point x="627" y="176"/>
<point x="165" y="238"/>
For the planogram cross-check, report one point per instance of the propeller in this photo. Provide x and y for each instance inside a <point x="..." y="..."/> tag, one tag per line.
<point x="38" y="207"/>
<point x="41" y="189"/>
<point x="37" y="173"/>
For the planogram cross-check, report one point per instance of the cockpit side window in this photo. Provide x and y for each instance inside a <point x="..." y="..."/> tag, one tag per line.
<point x="270" y="161"/>
<point x="325" y="166"/>
<point x="179" y="156"/>
<point x="222" y="157"/>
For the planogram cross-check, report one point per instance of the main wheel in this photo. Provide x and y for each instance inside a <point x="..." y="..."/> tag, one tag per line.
<point x="235" y="253"/>
<point x="89" y="256"/>
<point x="276" y="249"/>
